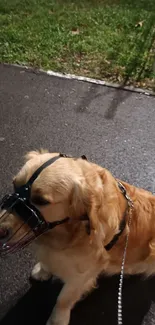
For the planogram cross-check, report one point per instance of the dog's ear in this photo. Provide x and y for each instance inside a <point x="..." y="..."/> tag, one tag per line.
<point x="87" y="200"/>
<point x="32" y="154"/>
<point x="77" y="206"/>
<point x="97" y="225"/>
<point x="104" y="209"/>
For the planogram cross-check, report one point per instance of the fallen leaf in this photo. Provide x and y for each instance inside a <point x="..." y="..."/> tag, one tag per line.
<point x="139" y="24"/>
<point x="119" y="78"/>
<point x="51" y="12"/>
<point x="106" y="61"/>
<point x="75" y="32"/>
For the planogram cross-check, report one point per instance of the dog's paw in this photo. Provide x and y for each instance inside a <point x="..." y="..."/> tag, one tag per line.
<point x="38" y="273"/>
<point x="59" y="317"/>
<point x="56" y="322"/>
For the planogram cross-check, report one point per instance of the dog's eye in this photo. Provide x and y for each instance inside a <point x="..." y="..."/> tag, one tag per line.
<point x="38" y="200"/>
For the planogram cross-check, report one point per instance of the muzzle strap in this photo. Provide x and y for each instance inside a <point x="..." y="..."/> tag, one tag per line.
<point x="39" y="170"/>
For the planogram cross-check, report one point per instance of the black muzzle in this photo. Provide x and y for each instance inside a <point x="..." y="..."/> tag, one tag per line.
<point x="18" y="204"/>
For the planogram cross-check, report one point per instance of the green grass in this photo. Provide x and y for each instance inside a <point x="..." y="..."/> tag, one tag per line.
<point x="95" y="38"/>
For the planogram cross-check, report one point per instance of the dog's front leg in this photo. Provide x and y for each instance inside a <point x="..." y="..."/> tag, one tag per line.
<point x="69" y="295"/>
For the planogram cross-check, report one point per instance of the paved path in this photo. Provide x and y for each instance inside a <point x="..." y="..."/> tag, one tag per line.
<point x="116" y="129"/>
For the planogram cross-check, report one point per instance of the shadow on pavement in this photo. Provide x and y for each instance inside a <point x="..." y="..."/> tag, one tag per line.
<point x="100" y="307"/>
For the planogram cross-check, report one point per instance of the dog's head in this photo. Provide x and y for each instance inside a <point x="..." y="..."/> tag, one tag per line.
<point x="66" y="188"/>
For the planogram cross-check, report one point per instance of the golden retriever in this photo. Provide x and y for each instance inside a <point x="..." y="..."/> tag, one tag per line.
<point x="72" y="188"/>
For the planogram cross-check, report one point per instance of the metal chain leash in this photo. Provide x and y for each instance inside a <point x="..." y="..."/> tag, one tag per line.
<point x="120" y="288"/>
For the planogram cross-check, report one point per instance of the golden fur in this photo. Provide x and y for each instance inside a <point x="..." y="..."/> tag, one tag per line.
<point x="75" y="187"/>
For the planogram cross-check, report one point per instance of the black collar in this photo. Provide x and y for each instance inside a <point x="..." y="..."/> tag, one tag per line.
<point x="116" y="237"/>
<point x="123" y="221"/>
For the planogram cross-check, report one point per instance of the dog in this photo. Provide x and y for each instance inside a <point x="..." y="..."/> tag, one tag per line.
<point x="92" y="211"/>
